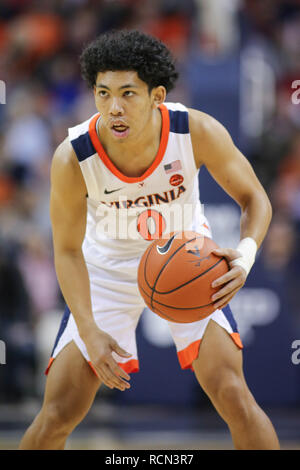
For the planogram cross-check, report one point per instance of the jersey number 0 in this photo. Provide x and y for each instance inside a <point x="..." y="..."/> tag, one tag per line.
<point x="144" y="220"/>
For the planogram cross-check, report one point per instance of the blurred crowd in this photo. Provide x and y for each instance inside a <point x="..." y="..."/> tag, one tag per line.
<point x="39" y="47"/>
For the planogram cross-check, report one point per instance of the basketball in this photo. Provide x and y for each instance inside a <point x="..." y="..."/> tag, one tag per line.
<point x="175" y="276"/>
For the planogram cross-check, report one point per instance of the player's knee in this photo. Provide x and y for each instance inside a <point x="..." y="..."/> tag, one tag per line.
<point x="234" y="400"/>
<point x="231" y="396"/>
<point x="57" y="420"/>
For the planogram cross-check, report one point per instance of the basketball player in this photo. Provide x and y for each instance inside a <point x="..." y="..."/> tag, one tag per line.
<point x="118" y="165"/>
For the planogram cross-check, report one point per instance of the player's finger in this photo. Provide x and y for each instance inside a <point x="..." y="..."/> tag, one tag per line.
<point x="111" y="367"/>
<point x="225" y="300"/>
<point x="120" y="351"/>
<point x="117" y="370"/>
<point x="105" y="373"/>
<point x="95" y="370"/>
<point x="232" y="274"/>
<point x="107" y="379"/>
<point x="104" y="378"/>
<point x="111" y="379"/>
<point x="229" y="253"/>
<point x="227" y="290"/>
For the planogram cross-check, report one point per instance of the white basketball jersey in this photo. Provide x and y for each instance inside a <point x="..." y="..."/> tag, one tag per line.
<point x="126" y="213"/>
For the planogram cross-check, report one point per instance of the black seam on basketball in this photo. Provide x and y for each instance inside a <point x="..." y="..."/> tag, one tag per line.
<point x="183" y="308"/>
<point x="177" y="308"/>
<point x="167" y="261"/>
<point x="148" y="254"/>
<point x="191" y="280"/>
<point x="166" y="317"/>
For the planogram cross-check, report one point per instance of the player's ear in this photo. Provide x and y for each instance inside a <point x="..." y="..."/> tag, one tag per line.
<point x="158" y="95"/>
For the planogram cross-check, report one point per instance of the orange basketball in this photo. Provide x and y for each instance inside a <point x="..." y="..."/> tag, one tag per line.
<point x="175" y="276"/>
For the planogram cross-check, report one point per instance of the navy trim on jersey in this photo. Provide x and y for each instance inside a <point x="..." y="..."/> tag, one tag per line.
<point x="228" y="314"/>
<point x="83" y="147"/>
<point x="62" y="327"/>
<point x="179" y="122"/>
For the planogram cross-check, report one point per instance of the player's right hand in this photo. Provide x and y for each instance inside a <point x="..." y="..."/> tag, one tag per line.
<point x="100" y="346"/>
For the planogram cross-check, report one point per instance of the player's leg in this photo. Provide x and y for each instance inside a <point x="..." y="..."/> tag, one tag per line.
<point x="219" y="371"/>
<point x="70" y="391"/>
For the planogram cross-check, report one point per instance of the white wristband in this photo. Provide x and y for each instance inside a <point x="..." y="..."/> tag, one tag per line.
<point x="248" y="248"/>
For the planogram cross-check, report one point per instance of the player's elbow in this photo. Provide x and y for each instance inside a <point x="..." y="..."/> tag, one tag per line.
<point x="265" y="204"/>
<point x="258" y="202"/>
<point x="71" y="250"/>
<point x="269" y="210"/>
<point x="66" y="246"/>
<point x="261" y="204"/>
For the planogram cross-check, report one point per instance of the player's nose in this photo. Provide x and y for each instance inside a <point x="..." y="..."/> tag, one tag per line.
<point x="116" y="108"/>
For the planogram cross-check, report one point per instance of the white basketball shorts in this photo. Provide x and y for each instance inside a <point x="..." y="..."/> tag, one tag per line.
<point x="117" y="306"/>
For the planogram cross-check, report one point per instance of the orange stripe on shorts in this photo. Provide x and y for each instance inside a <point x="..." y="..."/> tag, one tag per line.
<point x="187" y="355"/>
<point x="128" y="367"/>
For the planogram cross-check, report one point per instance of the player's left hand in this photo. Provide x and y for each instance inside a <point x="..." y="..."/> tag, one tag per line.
<point x="232" y="281"/>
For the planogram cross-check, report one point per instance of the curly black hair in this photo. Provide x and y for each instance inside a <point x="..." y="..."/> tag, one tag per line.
<point x="129" y="50"/>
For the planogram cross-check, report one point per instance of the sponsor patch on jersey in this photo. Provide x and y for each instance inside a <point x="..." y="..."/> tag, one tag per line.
<point x="176" y="180"/>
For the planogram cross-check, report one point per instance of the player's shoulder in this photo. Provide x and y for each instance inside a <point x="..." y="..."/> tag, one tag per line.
<point x="65" y="171"/>
<point x="194" y="115"/>
<point x="64" y="155"/>
<point x="207" y="135"/>
<point x="205" y="126"/>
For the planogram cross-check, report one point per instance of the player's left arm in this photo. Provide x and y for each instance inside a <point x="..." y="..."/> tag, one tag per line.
<point x="214" y="148"/>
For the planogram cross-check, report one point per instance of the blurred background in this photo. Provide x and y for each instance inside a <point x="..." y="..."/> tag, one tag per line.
<point x="239" y="60"/>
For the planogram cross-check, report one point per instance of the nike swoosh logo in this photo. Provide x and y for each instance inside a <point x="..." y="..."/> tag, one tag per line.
<point x="162" y="250"/>
<point x="112" y="191"/>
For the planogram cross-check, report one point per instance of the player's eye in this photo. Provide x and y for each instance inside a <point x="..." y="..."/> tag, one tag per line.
<point x="128" y="93"/>
<point x="102" y="93"/>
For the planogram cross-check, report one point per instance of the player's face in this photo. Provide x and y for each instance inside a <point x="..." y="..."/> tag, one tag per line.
<point x="125" y="104"/>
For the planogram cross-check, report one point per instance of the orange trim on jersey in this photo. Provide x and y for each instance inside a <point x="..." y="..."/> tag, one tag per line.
<point x="159" y="156"/>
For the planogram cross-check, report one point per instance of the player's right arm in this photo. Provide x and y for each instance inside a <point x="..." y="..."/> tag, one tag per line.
<point x="68" y="211"/>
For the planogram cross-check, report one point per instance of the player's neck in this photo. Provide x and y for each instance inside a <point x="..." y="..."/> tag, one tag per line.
<point x="137" y="155"/>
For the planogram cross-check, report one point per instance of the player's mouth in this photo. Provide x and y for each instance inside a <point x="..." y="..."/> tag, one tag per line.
<point x="120" y="130"/>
